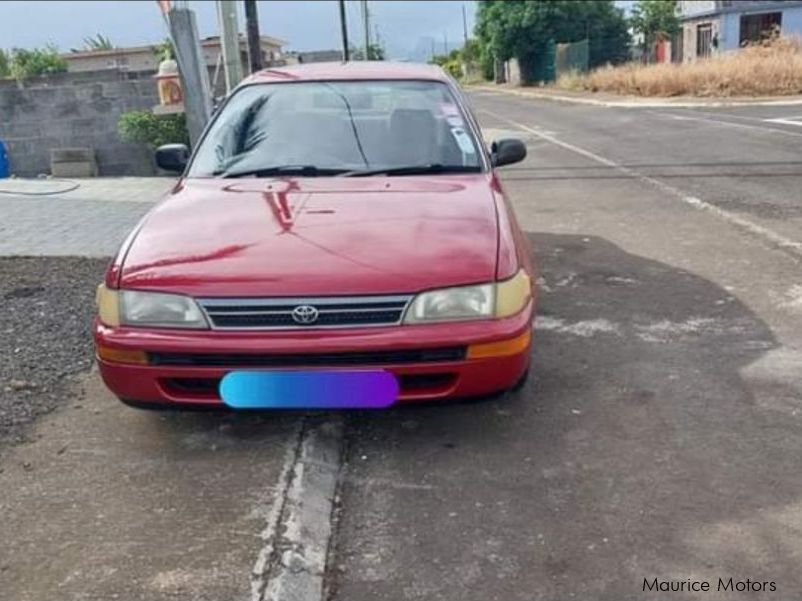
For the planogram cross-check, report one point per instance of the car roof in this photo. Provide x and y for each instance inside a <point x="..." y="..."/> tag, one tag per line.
<point x="356" y="70"/>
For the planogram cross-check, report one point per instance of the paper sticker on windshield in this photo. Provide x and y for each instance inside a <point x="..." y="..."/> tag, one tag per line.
<point x="463" y="140"/>
<point x="451" y="112"/>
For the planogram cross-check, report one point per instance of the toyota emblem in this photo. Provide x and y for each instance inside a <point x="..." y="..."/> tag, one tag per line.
<point x="304" y="314"/>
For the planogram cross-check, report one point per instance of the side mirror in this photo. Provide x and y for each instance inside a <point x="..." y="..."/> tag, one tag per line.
<point x="172" y="157"/>
<point x="507" y="151"/>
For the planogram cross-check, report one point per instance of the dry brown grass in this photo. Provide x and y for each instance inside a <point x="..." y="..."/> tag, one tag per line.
<point x="768" y="69"/>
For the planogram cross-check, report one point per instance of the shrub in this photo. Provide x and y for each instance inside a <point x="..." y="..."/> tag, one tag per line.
<point x="572" y="80"/>
<point x="154" y="130"/>
<point x="451" y="62"/>
<point x="453" y="67"/>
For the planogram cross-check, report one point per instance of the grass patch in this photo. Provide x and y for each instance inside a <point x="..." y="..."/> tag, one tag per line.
<point x="771" y="68"/>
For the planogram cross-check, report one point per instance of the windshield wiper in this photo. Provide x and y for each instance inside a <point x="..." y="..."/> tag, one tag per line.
<point x="302" y="170"/>
<point x="414" y="170"/>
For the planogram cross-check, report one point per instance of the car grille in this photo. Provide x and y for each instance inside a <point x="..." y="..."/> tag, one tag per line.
<point x="208" y="388"/>
<point x="330" y="312"/>
<point x="433" y="355"/>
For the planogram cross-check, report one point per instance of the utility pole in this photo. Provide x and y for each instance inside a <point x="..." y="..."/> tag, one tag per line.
<point x="445" y="43"/>
<point x="366" y="18"/>
<point x="464" y="25"/>
<point x="229" y="42"/>
<point x="254" y="43"/>
<point x="192" y="68"/>
<point x="344" y="31"/>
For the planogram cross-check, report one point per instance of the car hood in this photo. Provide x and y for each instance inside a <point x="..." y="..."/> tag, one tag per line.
<point x="316" y="236"/>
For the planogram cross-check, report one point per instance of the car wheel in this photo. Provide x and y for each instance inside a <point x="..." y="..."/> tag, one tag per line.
<point x="521" y="381"/>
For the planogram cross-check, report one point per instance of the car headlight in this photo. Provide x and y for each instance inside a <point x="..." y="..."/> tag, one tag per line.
<point x="108" y="305"/>
<point x="513" y="294"/>
<point x="483" y="301"/>
<point x="154" y="309"/>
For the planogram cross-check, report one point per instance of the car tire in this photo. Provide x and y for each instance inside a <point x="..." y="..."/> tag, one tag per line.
<point x="521" y="381"/>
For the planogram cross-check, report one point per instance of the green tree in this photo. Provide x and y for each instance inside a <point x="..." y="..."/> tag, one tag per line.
<point x="470" y="57"/>
<point x="98" y="42"/>
<point x="655" y="18"/>
<point x="471" y="52"/>
<point x="486" y="60"/>
<point x="164" y="51"/>
<point x="5" y="71"/>
<point x="375" y="53"/>
<point x="39" y="61"/>
<point x="523" y="29"/>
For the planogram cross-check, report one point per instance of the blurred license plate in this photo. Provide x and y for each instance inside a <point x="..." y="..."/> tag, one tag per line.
<point x="314" y="389"/>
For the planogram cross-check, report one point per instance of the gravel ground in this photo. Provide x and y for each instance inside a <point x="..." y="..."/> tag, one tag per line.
<point x="48" y="305"/>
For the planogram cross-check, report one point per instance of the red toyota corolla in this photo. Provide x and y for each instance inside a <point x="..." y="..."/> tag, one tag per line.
<point x="332" y="217"/>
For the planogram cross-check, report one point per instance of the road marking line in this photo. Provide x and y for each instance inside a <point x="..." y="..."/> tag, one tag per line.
<point x="753" y="228"/>
<point x="636" y="102"/>
<point x="695" y="111"/>
<point x="787" y="121"/>
<point x="292" y="562"/>
<point x="728" y="115"/>
<point x="760" y="128"/>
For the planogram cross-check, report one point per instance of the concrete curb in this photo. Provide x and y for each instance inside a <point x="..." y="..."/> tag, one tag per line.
<point x="295" y="565"/>
<point x="638" y="103"/>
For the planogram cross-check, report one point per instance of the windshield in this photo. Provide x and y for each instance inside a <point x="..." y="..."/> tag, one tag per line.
<point x="326" y="128"/>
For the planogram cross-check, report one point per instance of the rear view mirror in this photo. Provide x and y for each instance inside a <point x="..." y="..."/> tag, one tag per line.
<point x="507" y="151"/>
<point x="172" y="157"/>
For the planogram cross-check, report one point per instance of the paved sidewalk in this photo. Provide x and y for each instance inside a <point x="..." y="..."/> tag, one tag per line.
<point x="124" y="189"/>
<point x="88" y="220"/>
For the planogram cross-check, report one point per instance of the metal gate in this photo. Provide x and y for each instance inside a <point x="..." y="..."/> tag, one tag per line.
<point x="574" y="56"/>
<point x="552" y="60"/>
<point x="704" y="40"/>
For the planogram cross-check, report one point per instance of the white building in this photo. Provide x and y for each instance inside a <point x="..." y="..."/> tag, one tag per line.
<point x="711" y="26"/>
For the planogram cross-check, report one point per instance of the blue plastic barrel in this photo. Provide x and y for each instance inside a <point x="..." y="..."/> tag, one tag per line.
<point x="3" y="160"/>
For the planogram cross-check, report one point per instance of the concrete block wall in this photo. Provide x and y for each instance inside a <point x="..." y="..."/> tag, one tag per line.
<point x="75" y="109"/>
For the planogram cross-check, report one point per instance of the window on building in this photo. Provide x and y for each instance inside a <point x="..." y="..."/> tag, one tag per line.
<point x="704" y="40"/>
<point x="120" y="62"/>
<point x="755" y="28"/>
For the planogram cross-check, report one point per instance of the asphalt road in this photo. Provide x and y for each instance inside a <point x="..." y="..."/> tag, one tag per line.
<point x="658" y="435"/>
<point x="660" y="432"/>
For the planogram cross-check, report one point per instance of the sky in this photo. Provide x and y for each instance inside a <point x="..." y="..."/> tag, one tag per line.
<point x="407" y="28"/>
<point x="404" y="26"/>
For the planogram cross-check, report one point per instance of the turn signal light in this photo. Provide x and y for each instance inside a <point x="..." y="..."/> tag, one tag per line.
<point x="115" y="355"/>
<point x="503" y="348"/>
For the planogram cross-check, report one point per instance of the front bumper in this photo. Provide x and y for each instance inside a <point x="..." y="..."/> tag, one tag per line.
<point x="218" y="352"/>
